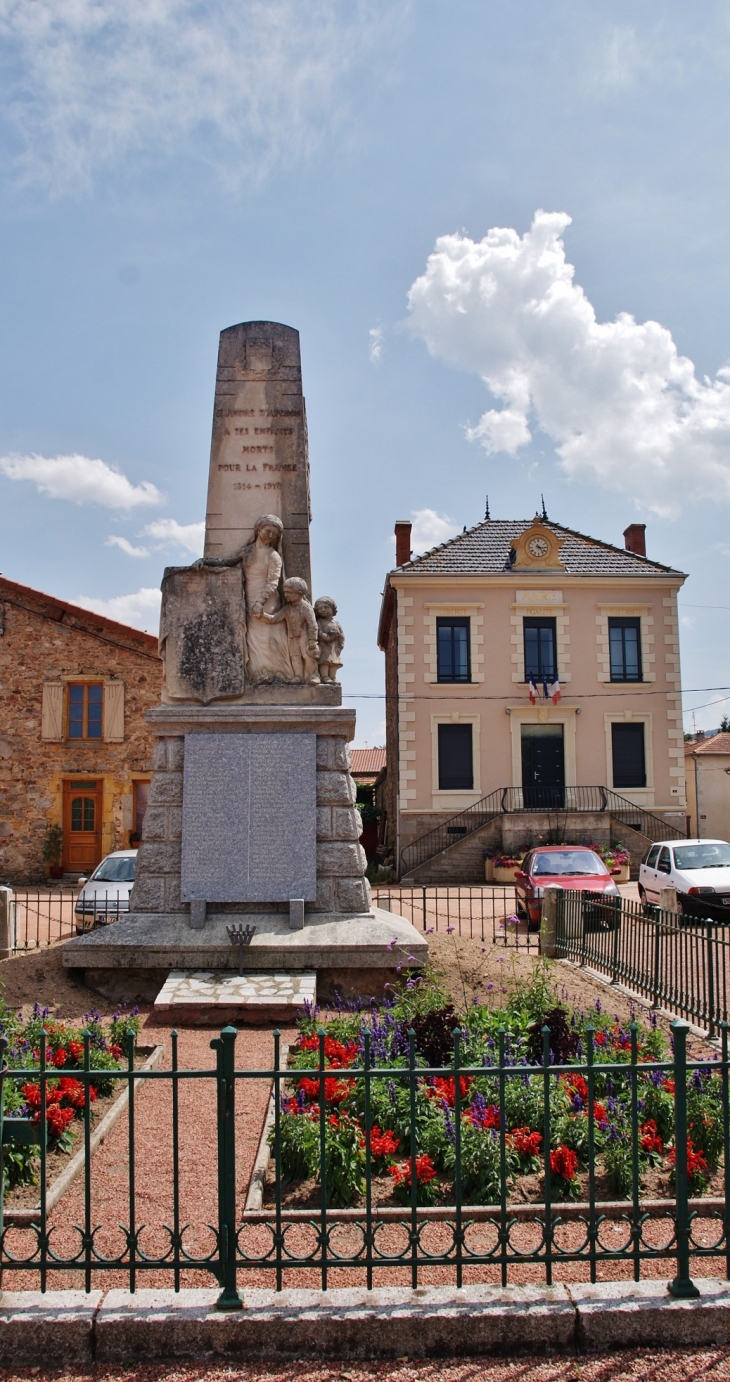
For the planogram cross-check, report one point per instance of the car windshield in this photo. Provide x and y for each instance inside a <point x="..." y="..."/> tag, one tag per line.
<point x="576" y="862"/>
<point x="709" y="856"/>
<point x="115" y="870"/>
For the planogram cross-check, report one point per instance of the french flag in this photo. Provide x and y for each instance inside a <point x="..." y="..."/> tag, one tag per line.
<point x="554" y="691"/>
<point x="532" y="692"/>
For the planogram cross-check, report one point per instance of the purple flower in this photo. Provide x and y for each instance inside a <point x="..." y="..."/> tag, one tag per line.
<point x="450" y="930"/>
<point x="430" y="931"/>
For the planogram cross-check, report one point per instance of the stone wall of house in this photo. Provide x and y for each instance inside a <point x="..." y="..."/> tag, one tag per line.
<point x="44" y="640"/>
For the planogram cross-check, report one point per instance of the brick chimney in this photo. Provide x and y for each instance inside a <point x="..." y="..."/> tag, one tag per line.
<point x="635" y="539"/>
<point x="402" y="541"/>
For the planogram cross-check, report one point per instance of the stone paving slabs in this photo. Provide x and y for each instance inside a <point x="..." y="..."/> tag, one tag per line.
<point x="202" y="996"/>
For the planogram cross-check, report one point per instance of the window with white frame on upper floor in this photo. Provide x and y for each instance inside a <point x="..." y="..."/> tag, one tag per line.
<point x="624" y="641"/>
<point x="456" y="762"/>
<point x="541" y="662"/>
<point x="453" y="650"/>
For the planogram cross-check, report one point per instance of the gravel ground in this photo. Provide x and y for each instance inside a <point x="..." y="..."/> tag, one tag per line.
<point x="633" y="1365"/>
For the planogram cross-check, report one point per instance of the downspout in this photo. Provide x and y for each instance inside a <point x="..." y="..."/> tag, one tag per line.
<point x="697" y="797"/>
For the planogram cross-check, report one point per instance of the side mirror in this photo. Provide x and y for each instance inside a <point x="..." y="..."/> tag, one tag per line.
<point x="519" y="874"/>
<point x="615" y="872"/>
<point x="80" y="882"/>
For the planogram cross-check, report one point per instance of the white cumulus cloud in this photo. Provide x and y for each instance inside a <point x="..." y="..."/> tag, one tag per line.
<point x="622" y="406"/>
<point x="141" y="609"/>
<point x="430" y="529"/>
<point x="126" y="546"/>
<point x="81" y="480"/>
<point x="245" y="85"/>
<point x="167" y="532"/>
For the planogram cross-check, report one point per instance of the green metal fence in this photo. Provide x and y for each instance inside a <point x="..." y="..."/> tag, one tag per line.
<point x="380" y="1244"/>
<point x="678" y="963"/>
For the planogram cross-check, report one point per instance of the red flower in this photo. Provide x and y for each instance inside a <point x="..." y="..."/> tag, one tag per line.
<point x="445" y="1088"/>
<point x="599" y="1113"/>
<point x="338" y="1054"/>
<point x="695" y="1160"/>
<point x="564" y="1162"/>
<point x="526" y="1143"/>
<point x="383" y="1143"/>
<point x="600" y="1038"/>
<point x="58" y="1118"/>
<point x="115" y="1050"/>
<point x="334" y="1090"/>
<point x="651" y="1142"/>
<point x="76" y="1049"/>
<point x="425" y="1171"/>
<point x="60" y="1057"/>
<point x="577" y="1085"/>
<point x="668" y="1086"/>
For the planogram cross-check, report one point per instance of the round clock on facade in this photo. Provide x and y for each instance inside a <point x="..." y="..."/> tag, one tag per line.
<point x="538" y="547"/>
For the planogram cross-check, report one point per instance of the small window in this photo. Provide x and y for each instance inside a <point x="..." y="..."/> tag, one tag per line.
<point x="651" y="857"/>
<point x="453" y="651"/>
<point x="624" y="640"/>
<point x="629" y="762"/>
<point x="85" y="710"/>
<point x="541" y="663"/>
<point x="456" y="771"/>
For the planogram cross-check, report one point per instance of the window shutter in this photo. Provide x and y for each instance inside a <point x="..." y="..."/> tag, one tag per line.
<point x="629" y="765"/>
<point x="114" y="712"/>
<point x="52" y="711"/>
<point x="456" y="772"/>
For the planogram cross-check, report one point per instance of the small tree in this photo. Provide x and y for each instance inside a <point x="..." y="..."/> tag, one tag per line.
<point x="53" y="845"/>
<point x="725" y="725"/>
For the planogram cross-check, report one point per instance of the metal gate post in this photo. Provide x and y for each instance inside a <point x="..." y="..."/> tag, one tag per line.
<point x="224" y="1047"/>
<point x="683" y="1285"/>
<point x="7" y="923"/>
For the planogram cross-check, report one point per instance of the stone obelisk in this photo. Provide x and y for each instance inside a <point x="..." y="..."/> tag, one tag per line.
<point x="258" y="454"/>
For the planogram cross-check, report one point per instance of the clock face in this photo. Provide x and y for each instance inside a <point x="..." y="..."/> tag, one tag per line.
<point x="538" y="547"/>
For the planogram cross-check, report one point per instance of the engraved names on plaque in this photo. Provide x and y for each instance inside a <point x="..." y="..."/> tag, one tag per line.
<point x="249" y="817"/>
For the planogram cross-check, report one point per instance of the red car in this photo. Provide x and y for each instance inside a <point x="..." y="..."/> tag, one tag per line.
<point x="560" y="866"/>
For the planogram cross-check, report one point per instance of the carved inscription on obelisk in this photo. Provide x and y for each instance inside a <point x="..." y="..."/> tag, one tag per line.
<point x="258" y="457"/>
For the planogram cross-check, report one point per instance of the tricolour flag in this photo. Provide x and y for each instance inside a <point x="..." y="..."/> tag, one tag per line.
<point x="532" y="692"/>
<point x="555" y="692"/>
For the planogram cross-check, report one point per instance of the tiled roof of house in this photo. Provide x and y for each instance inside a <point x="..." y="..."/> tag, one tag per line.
<point x="486" y="547"/>
<point x="370" y="761"/>
<point x="717" y="743"/>
<point x="75" y="616"/>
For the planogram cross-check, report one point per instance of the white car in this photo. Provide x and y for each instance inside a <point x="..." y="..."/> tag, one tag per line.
<point x="105" y="895"/>
<point x="698" y="869"/>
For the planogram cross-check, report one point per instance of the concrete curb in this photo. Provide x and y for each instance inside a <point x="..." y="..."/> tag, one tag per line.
<point x="389" y="1322"/>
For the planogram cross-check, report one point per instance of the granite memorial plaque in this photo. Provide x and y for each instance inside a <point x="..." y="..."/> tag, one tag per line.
<point x="249" y="817"/>
<point x="258" y="454"/>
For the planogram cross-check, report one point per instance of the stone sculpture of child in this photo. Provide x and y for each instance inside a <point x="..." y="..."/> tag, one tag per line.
<point x="331" y="639"/>
<point x="301" y="627"/>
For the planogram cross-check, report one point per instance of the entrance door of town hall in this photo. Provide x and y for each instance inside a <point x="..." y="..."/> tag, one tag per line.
<point x="82" y="825"/>
<point x="543" y="767"/>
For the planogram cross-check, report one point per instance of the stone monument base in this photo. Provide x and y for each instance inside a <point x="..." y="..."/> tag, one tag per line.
<point x="355" y="955"/>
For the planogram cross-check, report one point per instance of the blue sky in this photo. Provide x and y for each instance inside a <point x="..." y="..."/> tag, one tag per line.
<point x="370" y="173"/>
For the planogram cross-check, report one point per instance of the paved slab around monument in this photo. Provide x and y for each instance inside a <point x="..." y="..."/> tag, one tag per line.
<point x="204" y="995"/>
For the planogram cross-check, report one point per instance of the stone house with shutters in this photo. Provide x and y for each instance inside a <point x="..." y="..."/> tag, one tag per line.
<point x="533" y="693"/>
<point x="75" y="750"/>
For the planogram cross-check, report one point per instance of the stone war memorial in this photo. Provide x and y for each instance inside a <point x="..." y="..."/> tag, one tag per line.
<point x="250" y="893"/>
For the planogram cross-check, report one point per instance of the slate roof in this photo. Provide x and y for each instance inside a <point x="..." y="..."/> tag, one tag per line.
<point x="485" y="549"/>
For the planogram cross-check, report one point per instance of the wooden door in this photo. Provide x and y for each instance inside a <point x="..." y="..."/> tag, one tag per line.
<point x="81" y="825"/>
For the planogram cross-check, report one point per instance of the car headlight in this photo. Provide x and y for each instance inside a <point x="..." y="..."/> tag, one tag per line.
<point x="611" y="890"/>
<point x="537" y="892"/>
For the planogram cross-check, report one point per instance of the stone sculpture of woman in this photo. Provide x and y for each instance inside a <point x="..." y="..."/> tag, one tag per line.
<point x="267" y="648"/>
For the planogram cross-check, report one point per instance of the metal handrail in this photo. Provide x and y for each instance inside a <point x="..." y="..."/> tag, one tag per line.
<point x="508" y="800"/>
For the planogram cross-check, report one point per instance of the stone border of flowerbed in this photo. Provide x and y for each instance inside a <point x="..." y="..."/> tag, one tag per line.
<point x="24" y="1218"/>
<point x="65" y="1328"/>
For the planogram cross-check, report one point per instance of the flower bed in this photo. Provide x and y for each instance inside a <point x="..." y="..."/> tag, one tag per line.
<point x="65" y="1091"/>
<point x="422" y="1124"/>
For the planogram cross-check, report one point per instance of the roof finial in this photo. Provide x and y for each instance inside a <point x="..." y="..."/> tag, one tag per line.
<point x="486" y="509"/>
<point x="544" y="514"/>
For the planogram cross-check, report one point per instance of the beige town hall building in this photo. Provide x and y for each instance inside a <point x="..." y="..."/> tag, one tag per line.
<point x="510" y="613"/>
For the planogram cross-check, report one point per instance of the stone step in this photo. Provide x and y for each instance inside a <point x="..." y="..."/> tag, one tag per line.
<point x="209" y="997"/>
